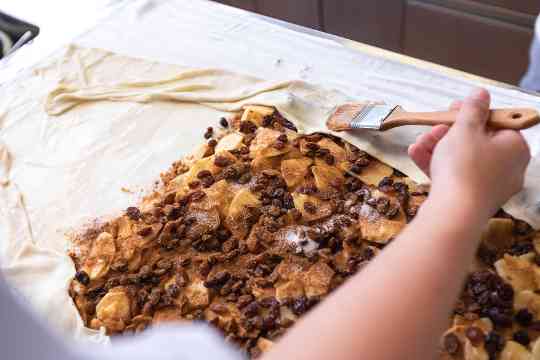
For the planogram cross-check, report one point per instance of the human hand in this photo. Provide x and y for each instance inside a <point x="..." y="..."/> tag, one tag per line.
<point x="470" y="163"/>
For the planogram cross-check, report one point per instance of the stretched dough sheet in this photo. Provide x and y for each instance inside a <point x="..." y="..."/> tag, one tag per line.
<point x="86" y="133"/>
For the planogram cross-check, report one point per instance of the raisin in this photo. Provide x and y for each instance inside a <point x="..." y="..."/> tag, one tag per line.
<point x="322" y="152"/>
<point x="267" y="120"/>
<point x="386" y="184"/>
<point x="362" y="162"/>
<point x="230" y="173"/>
<point x="401" y="188"/>
<point x="164" y="264"/>
<point x="499" y="317"/>
<point x="277" y="203"/>
<point x="412" y="211"/>
<point x="486" y="255"/>
<point x="218" y="280"/>
<point x="207" y="181"/>
<point x="222" y="161"/>
<point x="312" y="146"/>
<point x="392" y="211"/>
<point x="244" y="300"/>
<point x="383" y="205"/>
<point x="289" y="125"/>
<point x="278" y="193"/>
<point x="288" y="202"/>
<point x="314" y="138"/>
<point x="364" y="194"/>
<point x="133" y="278"/>
<point x="522" y="228"/>
<point x="356" y="169"/>
<point x="330" y="159"/>
<point x="145" y="271"/>
<point x="310" y="208"/>
<point x="223" y="122"/>
<point x="522" y="337"/>
<point x="142" y="296"/>
<point x="204" y="173"/>
<point x="269" y="323"/>
<point x="300" y="305"/>
<point x="505" y="291"/>
<point x="95" y="293"/>
<point x="269" y="302"/>
<point x="282" y="138"/>
<point x="182" y="262"/>
<point x="368" y="254"/>
<point x="521" y="248"/>
<point x="251" y="310"/>
<point x="247" y="127"/>
<point x="219" y="308"/>
<point x="482" y="277"/>
<point x="120" y="265"/>
<point x="244" y="178"/>
<point x="154" y="296"/>
<point x="475" y="335"/>
<point x="133" y="213"/>
<point x="174" y="213"/>
<point x="311" y="154"/>
<point x="451" y="344"/>
<point x="197" y="196"/>
<point x="112" y="282"/>
<point x="212" y="143"/>
<point x="244" y="150"/>
<point x="82" y="277"/>
<point x="145" y="231"/>
<point x="173" y="290"/>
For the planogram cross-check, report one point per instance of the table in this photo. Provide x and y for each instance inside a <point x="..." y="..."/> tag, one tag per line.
<point x="200" y="33"/>
<point x="76" y="17"/>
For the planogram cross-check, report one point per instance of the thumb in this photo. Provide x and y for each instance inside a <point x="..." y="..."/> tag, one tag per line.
<point x="475" y="110"/>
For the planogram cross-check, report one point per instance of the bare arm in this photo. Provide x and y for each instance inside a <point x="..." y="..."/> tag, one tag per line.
<point x="399" y="305"/>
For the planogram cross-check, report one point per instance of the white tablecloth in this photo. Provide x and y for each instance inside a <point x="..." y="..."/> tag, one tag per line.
<point x="204" y="34"/>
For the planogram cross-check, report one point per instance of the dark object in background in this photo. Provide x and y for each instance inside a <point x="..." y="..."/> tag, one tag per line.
<point x="469" y="35"/>
<point x="12" y="31"/>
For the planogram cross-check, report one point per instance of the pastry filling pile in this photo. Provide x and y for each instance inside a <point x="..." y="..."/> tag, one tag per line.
<point x="262" y="223"/>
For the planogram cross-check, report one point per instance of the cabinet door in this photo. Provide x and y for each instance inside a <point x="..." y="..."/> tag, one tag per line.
<point x="301" y="12"/>
<point x="531" y="7"/>
<point x="475" y="44"/>
<point x="375" y="22"/>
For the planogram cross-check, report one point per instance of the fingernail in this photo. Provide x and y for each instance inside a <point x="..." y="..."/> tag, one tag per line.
<point x="478" y="94"/>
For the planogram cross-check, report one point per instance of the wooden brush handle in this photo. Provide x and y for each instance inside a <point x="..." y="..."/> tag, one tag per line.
<point x="516" y="119"/>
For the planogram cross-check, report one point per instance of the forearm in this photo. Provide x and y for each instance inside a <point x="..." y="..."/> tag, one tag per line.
<point x="400" y="303"/>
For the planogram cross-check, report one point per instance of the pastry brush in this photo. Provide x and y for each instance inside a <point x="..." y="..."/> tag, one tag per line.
<point x="383" y="117"/>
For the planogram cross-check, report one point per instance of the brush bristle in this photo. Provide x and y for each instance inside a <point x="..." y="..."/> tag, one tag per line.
<point x="341" y="118"/>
